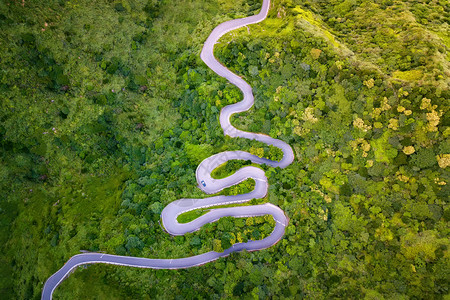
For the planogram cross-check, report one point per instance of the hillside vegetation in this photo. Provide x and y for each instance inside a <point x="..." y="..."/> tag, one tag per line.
<point x="107" y="110"/>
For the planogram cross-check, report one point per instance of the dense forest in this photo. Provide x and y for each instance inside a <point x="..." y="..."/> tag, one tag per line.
<point x="106" y="110"/>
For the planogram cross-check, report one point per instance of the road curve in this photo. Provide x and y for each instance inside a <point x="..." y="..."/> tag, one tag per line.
<point x="208" y="184"/>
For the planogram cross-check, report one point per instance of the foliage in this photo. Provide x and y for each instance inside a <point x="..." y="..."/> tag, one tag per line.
<point x="107" y="110"/>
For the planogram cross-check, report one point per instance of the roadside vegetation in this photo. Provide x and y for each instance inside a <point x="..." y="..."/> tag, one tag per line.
<point x="107" y="110"/>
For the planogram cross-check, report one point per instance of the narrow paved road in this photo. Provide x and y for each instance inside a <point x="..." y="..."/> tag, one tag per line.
<point x="208" y="184"/>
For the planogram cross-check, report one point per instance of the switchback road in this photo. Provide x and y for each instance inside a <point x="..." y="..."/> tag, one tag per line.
<point x="209" y="184"/>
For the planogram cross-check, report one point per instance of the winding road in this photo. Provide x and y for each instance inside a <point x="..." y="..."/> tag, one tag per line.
<point x="208" y="184"/>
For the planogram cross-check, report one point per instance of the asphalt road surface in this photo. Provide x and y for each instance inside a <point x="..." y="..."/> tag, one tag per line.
<point x="208" y="184"/>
